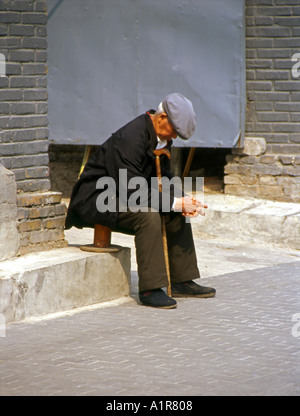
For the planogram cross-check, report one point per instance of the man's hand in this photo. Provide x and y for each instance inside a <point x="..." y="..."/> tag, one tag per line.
<point x="189" y="206"/>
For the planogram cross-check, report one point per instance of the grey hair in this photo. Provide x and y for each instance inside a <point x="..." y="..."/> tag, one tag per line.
<point x="160" y="109"/>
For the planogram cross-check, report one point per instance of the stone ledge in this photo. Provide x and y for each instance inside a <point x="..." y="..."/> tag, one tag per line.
<point x="252" y="220"/>
<point x="62" y="279"/>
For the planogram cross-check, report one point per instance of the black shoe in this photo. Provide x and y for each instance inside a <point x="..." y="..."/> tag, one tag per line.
<point x="157" y="299"/>
<point x="190" y="288"/>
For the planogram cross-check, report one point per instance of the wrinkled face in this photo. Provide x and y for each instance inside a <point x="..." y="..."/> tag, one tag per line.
<point x="164" y="129"/>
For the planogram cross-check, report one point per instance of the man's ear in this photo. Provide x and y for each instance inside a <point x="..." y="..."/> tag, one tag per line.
<point x="163" y="116"/>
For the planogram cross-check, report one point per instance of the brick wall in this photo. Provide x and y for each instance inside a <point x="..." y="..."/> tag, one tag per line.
<point x="273" y="105"/>
<point x="24" y="124"/>
<point x="23" y="93"/>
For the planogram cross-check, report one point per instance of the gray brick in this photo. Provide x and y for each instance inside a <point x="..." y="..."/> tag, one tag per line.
<point x="10" y="42"/>
<point x="10" y="17"/>
<point x="287" y="21"/>
<point x="34" y="43"/>
<point x="23" y="122"/>
<point x="36" y="121"/>
<point x="41" y="31"/>
<point x="258" y="3"/>
<point x="3" y="82"/>
<point x="11" y="95"/>
<point x="273" y="117"/>
<point x="287" y="86"/>
<point x="251" y="54"/>
<point x="40" y="56"/>
<point x="277" y="138"/>
<point x="287" y="128"/>
<point x="283" y="64"/>
<point x="41" y="81"/>
<point x="250" y="31"/>
<point x="19" y="135"/>
<point x="22" y="6"/>
<point x="22" y="82"/>
<point x="295" y="138"/>
<point x="272" y="75"/>
<point x="23" y="108"/>
<point x="295" y="96"/>
<point x="35" y="69"/>
<point x="262" y="127"/>
<point x="21" y="56"/>
<point x="36" y="147"/>
<point x="34" y="18"/>
<point x="6" y="161"/>
<point x="273" y="53"/>
<point x="42" y="108"/>
<point x="287" y="106"/>
<point x="259" y="43"/>
<point x="40" y="6"/>
<point x="287" y="2"/>
<point x="3" y="29"/>
<point x="13" y="68"/>
<point x="4" y="108"/>
<point x="250" y="21"/>
<point x="263" y="21"/>
<point x="42" y="133"/>
<point x="38" y="172"/>
<point x="28" y="161"/>
<point x="259" y="63"/>
<point x="287" y="149"/>
<point x="21" y="30"/>
<point x="287" y="43"/>
<point x="33" y="186"/>
<point x="296" y="31"/>
<point x="273" y="32"/>
<point x="259" y="85"/>
<point x="295" y="117"/>
<point x="275" y="11"/>
<point x="250" y="75"/>
<point x="39" y="94"/>
<point x="263" y="106"/>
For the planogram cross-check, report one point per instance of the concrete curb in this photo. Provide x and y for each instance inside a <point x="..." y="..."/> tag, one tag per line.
<point x="62" y="279"/>
<point x="251" y="220"/>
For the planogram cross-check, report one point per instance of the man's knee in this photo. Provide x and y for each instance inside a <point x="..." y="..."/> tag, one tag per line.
<point x="150" y="219"/>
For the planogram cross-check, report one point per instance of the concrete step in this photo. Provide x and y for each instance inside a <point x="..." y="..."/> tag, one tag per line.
<point x="58" y="280"/>
<point x="252" y="220"/>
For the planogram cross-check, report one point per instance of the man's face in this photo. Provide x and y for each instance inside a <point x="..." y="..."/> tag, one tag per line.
<point x="164" y="129"/>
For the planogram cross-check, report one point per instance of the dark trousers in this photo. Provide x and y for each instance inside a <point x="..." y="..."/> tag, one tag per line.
<point x="147" y="229"/>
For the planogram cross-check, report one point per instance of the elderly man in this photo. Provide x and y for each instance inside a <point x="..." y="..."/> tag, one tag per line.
<point x="130" y="150"/>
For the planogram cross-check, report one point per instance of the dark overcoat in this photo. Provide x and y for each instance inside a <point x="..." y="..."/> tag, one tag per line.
<point x="130" y="148"/>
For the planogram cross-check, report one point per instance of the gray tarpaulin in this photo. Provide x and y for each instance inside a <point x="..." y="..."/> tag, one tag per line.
<point x="111" y="60"/>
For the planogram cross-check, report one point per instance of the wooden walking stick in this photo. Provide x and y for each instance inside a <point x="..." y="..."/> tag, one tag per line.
<point x="158" y="153"/>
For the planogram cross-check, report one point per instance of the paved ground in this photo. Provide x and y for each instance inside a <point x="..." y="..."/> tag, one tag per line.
<point x="245" y="341"/>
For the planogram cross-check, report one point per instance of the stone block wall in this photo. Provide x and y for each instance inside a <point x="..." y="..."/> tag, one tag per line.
<point x="24" y="123"/>
<point x="273" y="105"/>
